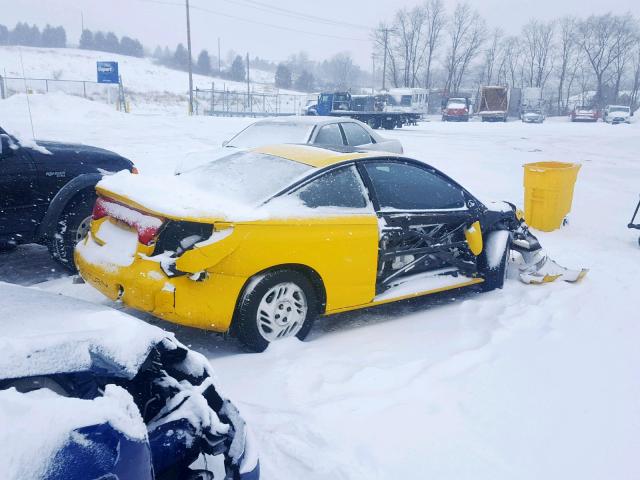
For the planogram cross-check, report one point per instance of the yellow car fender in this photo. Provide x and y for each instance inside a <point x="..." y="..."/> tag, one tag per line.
<point x="209" y="253"/>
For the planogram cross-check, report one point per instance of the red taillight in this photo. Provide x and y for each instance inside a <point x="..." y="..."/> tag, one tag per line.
<point x="146" y="225"/>
<point x="99" y="209"/>
<point x="134" y="170"/>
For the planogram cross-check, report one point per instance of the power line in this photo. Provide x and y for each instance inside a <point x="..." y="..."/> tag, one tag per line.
<point x="278" y="27"/>
<point x="295" y="14"/>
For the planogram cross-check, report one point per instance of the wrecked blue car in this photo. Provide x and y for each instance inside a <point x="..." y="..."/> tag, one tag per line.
<point x="87" y="392"/>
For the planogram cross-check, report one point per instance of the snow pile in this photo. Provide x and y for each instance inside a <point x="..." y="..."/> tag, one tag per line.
<point x="36" y="425"/>
<point x="43" y="333"/>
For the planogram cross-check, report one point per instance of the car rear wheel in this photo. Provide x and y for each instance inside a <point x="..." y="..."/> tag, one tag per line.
<point x="275" y="305"/>
<point x="71" y="227"/>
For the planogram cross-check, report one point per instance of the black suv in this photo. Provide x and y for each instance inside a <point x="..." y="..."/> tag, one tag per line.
<point x="47" y="192"/>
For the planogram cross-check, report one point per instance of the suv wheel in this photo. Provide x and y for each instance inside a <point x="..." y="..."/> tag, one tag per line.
<point x="71" y="227"/>
<point x="276" y="305"/>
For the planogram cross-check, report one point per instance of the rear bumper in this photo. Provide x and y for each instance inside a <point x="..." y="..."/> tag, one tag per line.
<point x="208" y="304"/>
<point x="455" y="118"/>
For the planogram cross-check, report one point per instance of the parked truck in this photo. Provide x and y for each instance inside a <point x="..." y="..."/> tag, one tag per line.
<point x="493" y="103"/>
<point x="366" y="108"/>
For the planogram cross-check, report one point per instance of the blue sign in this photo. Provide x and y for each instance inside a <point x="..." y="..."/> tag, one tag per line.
<point x="107" y="72"/>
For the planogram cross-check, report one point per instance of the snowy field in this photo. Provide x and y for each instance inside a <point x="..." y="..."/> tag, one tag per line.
<point x="529" y="382"/>
<point x="150" y="87"/>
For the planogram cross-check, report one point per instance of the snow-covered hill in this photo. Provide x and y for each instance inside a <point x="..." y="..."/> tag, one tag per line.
<point x="148" y="85"/>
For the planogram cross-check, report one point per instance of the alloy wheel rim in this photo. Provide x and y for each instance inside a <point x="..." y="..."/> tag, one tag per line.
<point x="282" y="311"/>
<point x="83" y="229"/>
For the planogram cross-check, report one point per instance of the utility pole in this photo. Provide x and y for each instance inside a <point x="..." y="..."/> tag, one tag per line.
<point x="373" y="73"/>
<point x="190" y="66"/>
<point x="81" y="21"/>
<point x="219" y="67"/>
<point x="248" y="86"/>
<point x="386" y="31"/>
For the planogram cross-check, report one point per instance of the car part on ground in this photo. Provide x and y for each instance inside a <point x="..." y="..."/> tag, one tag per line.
<point x="345" y="229"/>
<point x="114" y="395"/>
<point x="46" y="192"/>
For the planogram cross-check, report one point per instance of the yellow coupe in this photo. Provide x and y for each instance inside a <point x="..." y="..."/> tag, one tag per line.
<point x="261" y="242"/>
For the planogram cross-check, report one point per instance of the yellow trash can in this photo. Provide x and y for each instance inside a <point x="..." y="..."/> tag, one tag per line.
<point x="548" y="193"/>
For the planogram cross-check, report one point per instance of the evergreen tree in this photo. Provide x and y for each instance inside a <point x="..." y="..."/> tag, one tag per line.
<point x="99" y="41"/>
<point x="283" y="76"/>
<point x="131" y="47"/>
<point x="111" y="43"/>
<point x="87" y="41"/>
<point x="34" y="38"/>
<point x="181" y="58"/>
<point x="20" y="34"/>
<point x="4" y="35"/>
<point x="60" y="37"/>
<point x="238" y="71"/>
<point x="157" y="53"/>
<point x="304" y="82"/>
<point x="203" y="64"/>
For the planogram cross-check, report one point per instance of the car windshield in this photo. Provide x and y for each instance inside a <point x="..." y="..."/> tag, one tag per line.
<point x="271" y="133"/>
<point x="246" y="177"/>
<point x="619" y="109"/>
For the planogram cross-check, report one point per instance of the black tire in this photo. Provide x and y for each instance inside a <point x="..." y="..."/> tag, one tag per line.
<point x="246" y="327"/>
<point x="71" y="223"/>
<point x="494" y="278"/>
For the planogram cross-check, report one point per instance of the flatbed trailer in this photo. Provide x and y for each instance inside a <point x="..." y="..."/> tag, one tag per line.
<point x="367" y="110"/>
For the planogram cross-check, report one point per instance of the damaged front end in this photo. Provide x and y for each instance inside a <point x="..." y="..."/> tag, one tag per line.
<point x="187" y="421"/>
<point x="534" y="264"/>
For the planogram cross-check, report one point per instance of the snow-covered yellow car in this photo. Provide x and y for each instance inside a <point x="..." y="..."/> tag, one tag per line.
<point x="261" y="242"/>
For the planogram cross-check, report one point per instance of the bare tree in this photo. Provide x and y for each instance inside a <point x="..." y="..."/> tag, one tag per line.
<point x="567" y="51"/>
<point x="493" y="58"/>
<point x="466" y="35"/>
<point x="383" y="47"/>
<point x="407" y="38"/>
<point x="626" y="37"/>
<point x="537" y="40"/>
<point x="599" y="38"/>
<point x="510" y="63"/>
<point x="435" y="22"/>
<point x="635" y="81"/>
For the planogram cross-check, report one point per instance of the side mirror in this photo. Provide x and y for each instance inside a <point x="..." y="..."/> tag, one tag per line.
<point x="225" y="143"/>
<point x="6" y="146"/>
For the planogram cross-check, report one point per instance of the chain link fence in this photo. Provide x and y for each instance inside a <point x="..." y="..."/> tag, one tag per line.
<point x="82" y="88"/>
<point x="206" y="101"/>
<point x="231" y="103"/>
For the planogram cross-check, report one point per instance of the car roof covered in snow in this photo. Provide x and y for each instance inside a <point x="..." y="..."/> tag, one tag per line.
<point x="318" y="157"/>
<point x="44" y="333"/>
<point x="303" y="120"/>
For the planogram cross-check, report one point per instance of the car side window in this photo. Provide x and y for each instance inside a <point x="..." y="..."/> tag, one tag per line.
<point x="338" y="188"/>
<point x="401" y="186"/>
<point x="329" y="135"/>
<point x="356" y="135"/>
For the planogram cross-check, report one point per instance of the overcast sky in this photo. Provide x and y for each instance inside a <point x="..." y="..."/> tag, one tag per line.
<point x="245" y="25"/>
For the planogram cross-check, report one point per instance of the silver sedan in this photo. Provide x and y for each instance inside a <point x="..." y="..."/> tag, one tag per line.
<point x="314" y="130"/>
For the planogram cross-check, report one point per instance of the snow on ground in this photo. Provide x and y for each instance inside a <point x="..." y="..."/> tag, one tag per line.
<point x="528" y="382"/>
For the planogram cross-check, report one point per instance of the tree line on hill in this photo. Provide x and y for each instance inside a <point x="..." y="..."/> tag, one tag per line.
<point x="109" y="42"/>
<point x="298" y="72"/>
<point x="31" y="36"/>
